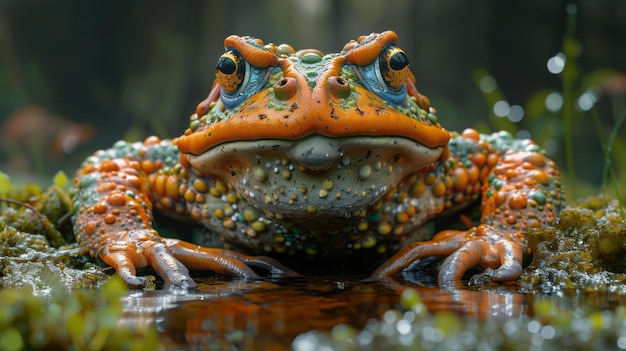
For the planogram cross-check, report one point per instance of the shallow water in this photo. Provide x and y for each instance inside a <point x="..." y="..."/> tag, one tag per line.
<point x="268" y="314"/>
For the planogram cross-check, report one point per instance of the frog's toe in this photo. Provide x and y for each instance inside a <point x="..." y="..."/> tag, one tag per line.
<point x="140" y="249"/>
<point x="482" y="246"/>
<point x="226" y="262"/>
<point x="413" y="253"/>
<point x="500" y="255"/>
<point x="269" y="264"/>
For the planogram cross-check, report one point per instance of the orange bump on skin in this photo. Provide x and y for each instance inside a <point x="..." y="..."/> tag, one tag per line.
<point x="106" y="186"/>
<point x="109" y="218"/>
<point x="402" y="217"/>
<point x="90" y="228"/>
<point x="148" y="166"/>
<point x="492" y="159"/>
<point x="108" y="166"/>
<point x="471" y="134"/>
<point x="472" y="174"/>
<point x="152" y="140"/>
<point x="518" y="201"/>
<point x="478" y="158"/>
<point x="460" y="179"/>
<point x="117" y="199"/>
<point x="171" y="188"/>
<point x="439" y="189"/>
<point x="540" y="176"/>
<point x="499" y="198"/>
<point x="190" y="195"/>
<point x="100" y="208"/>
<point x="536" y="159"/>
<point x="159" y="184"/>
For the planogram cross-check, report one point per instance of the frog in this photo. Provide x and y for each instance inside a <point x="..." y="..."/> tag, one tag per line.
<point x="314" y="155"/>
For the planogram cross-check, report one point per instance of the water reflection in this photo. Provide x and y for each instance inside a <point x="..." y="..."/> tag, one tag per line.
<point x="268" y="315"/>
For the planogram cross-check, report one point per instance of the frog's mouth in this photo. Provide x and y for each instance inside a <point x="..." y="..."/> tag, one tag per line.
<point x="316" y="176"/>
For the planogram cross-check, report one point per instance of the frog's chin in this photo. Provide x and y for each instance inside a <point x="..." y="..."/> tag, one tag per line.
<point x="317" y="176"/>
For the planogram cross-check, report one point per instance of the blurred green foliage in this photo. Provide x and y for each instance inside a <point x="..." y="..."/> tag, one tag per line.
<point x="81" y="320"/>
<point x="580" y="120"/>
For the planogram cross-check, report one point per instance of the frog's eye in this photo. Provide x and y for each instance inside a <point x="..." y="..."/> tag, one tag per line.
<point x="387" y="74"/>
<point x="394" y="66"/>
<point x="238" y="78"/>
<point x="230" y="71"/>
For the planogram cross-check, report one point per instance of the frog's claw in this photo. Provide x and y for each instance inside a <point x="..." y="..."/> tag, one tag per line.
<point x="501" y="254"/>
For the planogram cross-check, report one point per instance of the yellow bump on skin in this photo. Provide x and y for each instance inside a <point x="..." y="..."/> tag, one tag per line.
<point x="303" y="189"/>
<point x="417" y="189"/>
<point x="215" y="192"/>
<point x="323" y="193"/>
<point x="228" y="211"/>
<point x="260" y="174"/>
<point x="311" y="209"/>
<point x="402" y="217"/>
<point x="286" y="174"/>
<point x="338" y="195"/>
<point x="200" y="198"/>
<point x="228" y="224"/>
<point x="200" y="185"/>
<point x="362" y="226"/>
<point x="190" y="195"/>
<point x="430" y="178"/>
<point x="231" y="198"/>
<point x="384" y="228"/>
<point x="221" y="186"/>
<point x="400" y="197"/>
<point x="328" y="184"/>
<point x="250" y="214"/>
<point x="369" y="242"/>
<point x="438" y="189"/>
<point x="258" y="226"/>
<point x="218" y="213"/>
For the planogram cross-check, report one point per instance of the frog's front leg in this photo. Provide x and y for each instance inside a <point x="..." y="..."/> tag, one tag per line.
<point x="519" y="192"/>
<point x="113" y="197"/>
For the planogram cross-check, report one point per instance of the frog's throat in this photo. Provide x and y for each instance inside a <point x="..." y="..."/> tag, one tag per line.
<point x="317" y="176"/>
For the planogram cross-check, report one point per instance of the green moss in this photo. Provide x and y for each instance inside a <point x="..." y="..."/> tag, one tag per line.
<point x="37" y="245"/>
<point x="585" y="251"/>
<point x="80" y="320"/>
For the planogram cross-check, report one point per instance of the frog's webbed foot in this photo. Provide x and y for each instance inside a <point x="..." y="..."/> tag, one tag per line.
<point x="482" y="246"/>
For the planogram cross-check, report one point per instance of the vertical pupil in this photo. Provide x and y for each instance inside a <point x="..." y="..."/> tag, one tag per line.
<point x="226" y="65"/>
<point x="398" y="61"/>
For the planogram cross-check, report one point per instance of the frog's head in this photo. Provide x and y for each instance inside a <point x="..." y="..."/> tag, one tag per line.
<point x="303" y="134"/>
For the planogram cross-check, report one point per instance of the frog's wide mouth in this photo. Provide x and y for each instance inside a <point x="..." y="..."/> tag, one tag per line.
<point x="317" y="176"/>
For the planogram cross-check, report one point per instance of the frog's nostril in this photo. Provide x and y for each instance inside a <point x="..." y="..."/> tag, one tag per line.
<point x="285" y="88"/>
<point x="339" y="87"/>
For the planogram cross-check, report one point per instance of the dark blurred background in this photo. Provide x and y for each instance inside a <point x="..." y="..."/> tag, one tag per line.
<point x="78" y="75"/>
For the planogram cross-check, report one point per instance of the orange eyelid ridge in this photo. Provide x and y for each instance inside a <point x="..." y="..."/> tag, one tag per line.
<point x="422" y="100"/>
<point x="366" y="53"/>
<point x="256" y="56"/>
